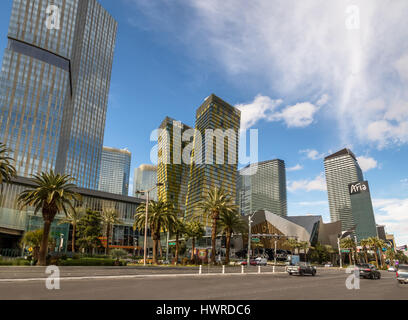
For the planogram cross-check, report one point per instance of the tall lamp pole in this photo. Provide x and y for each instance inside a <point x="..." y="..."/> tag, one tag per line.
<point x="146" y="218"/>
<point x="250" y="236"/>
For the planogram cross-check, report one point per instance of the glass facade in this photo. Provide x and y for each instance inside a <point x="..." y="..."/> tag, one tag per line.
<point x="264" y="190"/>
<point x="174" y="174"/>
<point x="341" y="169"/>
<point x="54" y="86"/>
<point x="115" y="170"/>
<point x="213" y="114"/>
<point x="145" y="178"/>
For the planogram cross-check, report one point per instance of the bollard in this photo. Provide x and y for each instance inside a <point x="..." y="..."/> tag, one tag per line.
<point x="273" y="268"/>
<point x="242" y="269"/>
<point x="200" y="271"/>
<point x="259" y="269"/>
<point x="223" y="269"/>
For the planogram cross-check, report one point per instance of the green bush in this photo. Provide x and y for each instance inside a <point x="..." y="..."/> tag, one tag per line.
<point x="14" y="262"/>
<point x="94" y="262"/>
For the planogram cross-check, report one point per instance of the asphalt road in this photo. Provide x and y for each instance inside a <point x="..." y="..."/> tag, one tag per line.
<point x="185" y="284"/>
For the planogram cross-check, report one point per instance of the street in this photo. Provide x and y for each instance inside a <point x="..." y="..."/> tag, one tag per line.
<point x="136" y="283"/>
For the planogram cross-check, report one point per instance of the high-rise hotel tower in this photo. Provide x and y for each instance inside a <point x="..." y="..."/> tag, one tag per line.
<point x="54" y="86"/>
<point x="341" y="168"/>
<point x="214" y="159"/>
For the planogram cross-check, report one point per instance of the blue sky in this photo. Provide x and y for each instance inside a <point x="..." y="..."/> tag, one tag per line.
<point x="307" y="81"/>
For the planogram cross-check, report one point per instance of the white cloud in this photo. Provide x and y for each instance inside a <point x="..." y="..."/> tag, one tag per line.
<point x="393" y="214"/>
<point x="264" y="108"/>
<point x="313" y="203"/>
<point x="302" y="49"/>
<point x="295" y="168"/>
<point x="367" y="163"/>
<point x="312" y="154"/>
<point x="317" y="184"/>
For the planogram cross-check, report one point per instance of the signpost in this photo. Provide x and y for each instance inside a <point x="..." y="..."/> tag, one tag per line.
<point x="172" y="243"/>
<point x="345" y="250"/>
<point x="256" y="240"/>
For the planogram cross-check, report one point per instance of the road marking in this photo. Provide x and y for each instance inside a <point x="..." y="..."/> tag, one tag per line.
<point x="141" y="276"/>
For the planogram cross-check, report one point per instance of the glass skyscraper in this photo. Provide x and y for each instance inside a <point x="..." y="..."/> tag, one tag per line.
<point x="145" y="178"/>
<point x="172" y="171"/>
<point x="341" y="169"/>
<point x="115" y="171"/>
<point x="264" y="190"/>
<point x="213" y="114"/>
<point x="54" y="86"/>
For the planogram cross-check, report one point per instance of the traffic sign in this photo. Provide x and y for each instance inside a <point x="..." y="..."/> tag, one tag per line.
<point x="345" y="251"/>
<point x="172" y="243"/>
<point x="256" y="240"/>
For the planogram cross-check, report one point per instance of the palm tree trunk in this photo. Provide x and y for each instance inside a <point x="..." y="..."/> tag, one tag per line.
<point x="365" y="256"/>
<point x="350" y="257"/>
<point x="73" y="237"/>
<point x="177" y="249"/>
<point x="192" y="248"/>
<point x="213" y="239"/>
<point x="227" y="248"/>
<point x="376" y="256"/>
<point x="44" y="243"/>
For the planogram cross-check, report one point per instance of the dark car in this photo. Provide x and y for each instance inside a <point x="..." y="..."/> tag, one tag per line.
<point x="402" y="274"/>
<point x="301" y="269"/>
<point x="369" y="271"/>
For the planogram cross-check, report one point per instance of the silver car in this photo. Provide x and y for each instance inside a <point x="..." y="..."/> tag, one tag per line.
<point x="402" y="274"/>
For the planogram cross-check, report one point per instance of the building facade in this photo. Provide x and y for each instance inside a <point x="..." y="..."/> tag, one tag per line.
<point x="115" y="171"/>
<point x="341" y="169"/>
<point x="145" y="178"/>
<point x="214" y="158"/>
<point x="172" y="171"/>
<point x="264" y="190"/>
<point x="362" y="209"/>
<point x="54" y="86"/>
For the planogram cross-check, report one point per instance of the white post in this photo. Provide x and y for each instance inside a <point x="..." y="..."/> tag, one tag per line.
<point x="259" y="269"/>
<point x="200" y="270"/>
<point x="223" y="269"/>
<point x="242" y="269"/>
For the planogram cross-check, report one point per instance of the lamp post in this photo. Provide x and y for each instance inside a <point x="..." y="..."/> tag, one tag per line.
<point x="342" y="235"/>
<point x="250" y="236"/>
<point x="146" y="217"/>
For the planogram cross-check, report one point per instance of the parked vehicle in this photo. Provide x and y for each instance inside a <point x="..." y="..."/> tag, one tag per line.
<point x="328" y="265"/>
<point x="261" y="261"/>
<point x="252" y="262"/>
<point x="392" y="269"/>
<point x="369" y="271"/>
<point x="301" y="269"/>
<point x="402" y="274"/>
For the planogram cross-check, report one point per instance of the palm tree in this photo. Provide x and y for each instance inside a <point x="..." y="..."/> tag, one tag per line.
<point x="52" y="194"/>
<point x="376" y="243"/>
<point x="110" y="217"/>
<point x="229" y="223"/>
<point x="161" y="215"/>
<point x="390" y="255"/>
<point x="33" y="239"/>
<point x="348" y="243"/>
<point x="177" y="227"/>
<point x="195" y="231"/>
<point x="216" y="202"/>
<point x="72" y="218"/>
<point x="292" y="244"/>
<point x="304" y="245"/>
<point x="7" y="170"/>
<point x="365" y="244"/>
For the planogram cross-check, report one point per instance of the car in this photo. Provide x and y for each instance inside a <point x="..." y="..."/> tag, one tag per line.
<point x="261" y="261"/>
<point x="301" y="269"/>
<point x="252" y="262"/>
<point x="369" y="271"/>
<point x="328" y="265"/>
<point x="402" y="274"/>
<point x="392" y="269"/>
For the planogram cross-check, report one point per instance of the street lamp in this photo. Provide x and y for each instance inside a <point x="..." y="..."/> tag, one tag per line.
<point x="146" y="217"/>
<point x="250" y="235"/>
<point x="343" y="235"/>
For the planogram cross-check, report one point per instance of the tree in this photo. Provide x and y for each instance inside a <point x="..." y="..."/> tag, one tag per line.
<point x="194" y="230"/>
<point x="229" y="223"/>
<point x="348" y="243"/>
<point x="375" y="243"/>
<point x="177" y="227"/>
<point x="216" y="202"/>
<point x="292" y="244"/>
<point x="365" y="243"/>
<point x="90" y="230"/>
<point x="161" y="215"/>
<point x="390" y="253"/>
<point x="52" y="194"/>
<point x="110" y="217"/>
<point x="304" y="245"/>
<point x="33" y="239"/>
<point x="72" y="218"/>
<point x="7" y="170"/>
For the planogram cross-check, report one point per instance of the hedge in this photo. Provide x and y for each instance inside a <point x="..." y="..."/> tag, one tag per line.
<point x="94" y="262"/>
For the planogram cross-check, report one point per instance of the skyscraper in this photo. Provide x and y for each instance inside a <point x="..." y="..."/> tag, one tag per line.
<point x="115" y="171"/>
<point x="215" y="153"/>
<point x="145" y="178"/>
<point x="54" y="86"/>
<point x="264" y="190"/>
<point x="172" y="171"/>
<point x="341" y="169"/>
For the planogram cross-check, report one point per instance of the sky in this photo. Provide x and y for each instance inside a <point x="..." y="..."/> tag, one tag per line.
<point x="313" y="76"/>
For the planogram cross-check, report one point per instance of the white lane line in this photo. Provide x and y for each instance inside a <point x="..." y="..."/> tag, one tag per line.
<point x="140" y="276"/>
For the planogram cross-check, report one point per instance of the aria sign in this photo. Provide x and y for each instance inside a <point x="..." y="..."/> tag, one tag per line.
<point x="358" y="187"/>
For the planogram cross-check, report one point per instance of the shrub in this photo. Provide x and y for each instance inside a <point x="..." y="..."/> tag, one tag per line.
<point x="118" y="253"/>
<point x="14" y="262"/>
<point x="94" y="262"/>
